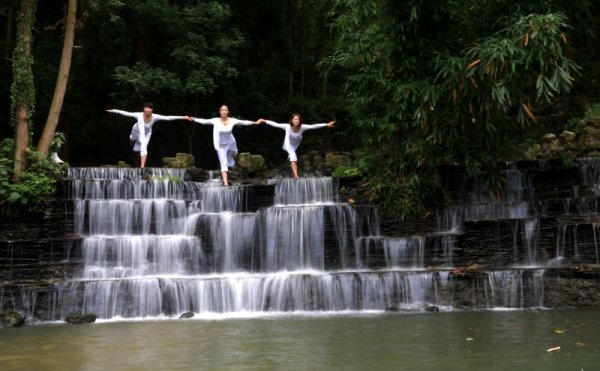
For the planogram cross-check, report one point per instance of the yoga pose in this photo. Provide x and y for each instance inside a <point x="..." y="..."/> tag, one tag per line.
<point x="293" y="136"/>
<point x="142" y="129"/>
<point x="223" y="139"/>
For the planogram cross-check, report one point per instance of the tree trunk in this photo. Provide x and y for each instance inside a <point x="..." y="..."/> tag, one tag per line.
<point x="22" y="89"/>
<point x="9" y="37"/>
<point x="61" y="82"/>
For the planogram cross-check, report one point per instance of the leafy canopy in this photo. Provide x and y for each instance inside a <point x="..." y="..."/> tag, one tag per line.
<point x="425" y="94"/>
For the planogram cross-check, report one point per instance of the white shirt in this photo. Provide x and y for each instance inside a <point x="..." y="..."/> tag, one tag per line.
<point x="142" y="130"/>
<point x="222" y="135"/>
<point x="292" y="139"/>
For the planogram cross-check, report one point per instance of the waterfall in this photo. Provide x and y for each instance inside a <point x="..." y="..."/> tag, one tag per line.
<point x="155" y="244"/>
<point x="304" y="191"/>
<point x="514" y="289"/>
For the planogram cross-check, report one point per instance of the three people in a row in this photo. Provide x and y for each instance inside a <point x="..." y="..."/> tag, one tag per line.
<point x="223" y="139"/>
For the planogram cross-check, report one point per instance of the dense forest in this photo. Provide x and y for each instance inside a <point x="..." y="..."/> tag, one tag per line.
<point x="412" y="84"/>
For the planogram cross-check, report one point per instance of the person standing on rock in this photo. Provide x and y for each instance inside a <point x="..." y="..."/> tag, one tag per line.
<point x="293" y="136"/>
<point x="223" y="139"/>
<point x="142" y="129"/>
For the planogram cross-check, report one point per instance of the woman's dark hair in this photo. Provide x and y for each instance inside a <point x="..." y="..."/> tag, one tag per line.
<point x="149" y="105"/>
<point x="294" y="115"/>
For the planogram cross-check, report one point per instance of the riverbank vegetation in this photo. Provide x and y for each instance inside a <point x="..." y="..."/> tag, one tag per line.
<point x="412" y="84"/>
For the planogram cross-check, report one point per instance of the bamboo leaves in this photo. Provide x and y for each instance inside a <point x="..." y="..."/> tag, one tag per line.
<point x="432" y="97"/>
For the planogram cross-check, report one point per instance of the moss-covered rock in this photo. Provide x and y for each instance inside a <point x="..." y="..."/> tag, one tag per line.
<point x="584" y="141"/>
<point x="251" y="163"/>
<point x="79" y="318"/>
<point x="11" y="318"/>
<point x="333" y="160"/>
<point x="180" y="161"/>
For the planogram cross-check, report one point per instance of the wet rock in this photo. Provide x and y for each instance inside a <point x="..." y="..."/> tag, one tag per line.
<point x="432" y="308"/>
<point x="79" y="318"/>
<point x="392" y="309"/>
<point x="333" y="160"/>
<point x="11" y="318"/>
<point x="251" y="163"/>
<point x="584" y="141"/>
<point x="567" y="136"/>
<point x="180" y="161"/>
<point x="186" y="315"/>
<point x="532" y="152"/>
<point x="120" y="164"/>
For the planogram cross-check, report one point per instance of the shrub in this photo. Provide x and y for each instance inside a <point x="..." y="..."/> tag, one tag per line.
<point x="33" y="190"/>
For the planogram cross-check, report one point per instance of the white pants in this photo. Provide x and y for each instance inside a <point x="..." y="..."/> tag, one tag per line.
<point x="292" y="155"/>
<point x="227" y="156"/>
<point x="291" y="152"/>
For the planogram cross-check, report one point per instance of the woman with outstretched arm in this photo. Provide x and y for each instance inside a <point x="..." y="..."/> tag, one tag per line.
<point x="293" y="136"/>
<point x="142" y="129"/>
<point x="223" y="139"/>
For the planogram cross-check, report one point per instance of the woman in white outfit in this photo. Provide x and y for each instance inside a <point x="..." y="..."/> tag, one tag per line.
<point x="142" y="129"/>
<point x="293" y="136"/>
<point x="223" y="139"/>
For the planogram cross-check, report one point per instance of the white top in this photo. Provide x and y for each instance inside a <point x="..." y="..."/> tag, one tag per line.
<point x="142" y="130"/>
<point x="222" y="135"/>
<point x="292" y="140"/>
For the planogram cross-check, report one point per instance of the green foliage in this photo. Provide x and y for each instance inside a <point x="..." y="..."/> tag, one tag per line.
<point x="36" y="186"/>
<point x="144" y="79"/>
<point x="404" y="196"/>
<point x="22" y="90"/>
<point x="58" y="141"/>
<point x="199" y="49"/>
<point x="345" y="171"/>
<point x="593" y="111"/>
<point x="426" y="98"/>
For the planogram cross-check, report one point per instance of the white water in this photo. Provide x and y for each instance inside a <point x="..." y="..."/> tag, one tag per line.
<point x="156" y="246"/>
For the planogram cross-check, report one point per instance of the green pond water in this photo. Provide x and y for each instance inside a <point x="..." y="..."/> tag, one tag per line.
<point x="494" y="340"/>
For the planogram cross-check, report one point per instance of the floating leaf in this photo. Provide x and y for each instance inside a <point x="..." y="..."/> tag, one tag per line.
<point x="559" y="331"/>
<point x="552" y="349"/>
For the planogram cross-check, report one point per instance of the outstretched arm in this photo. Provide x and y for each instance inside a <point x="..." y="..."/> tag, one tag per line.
<point x="235" y="121"/>
<point x="203" y="121"/>
<point x="277" y="125"/>
<point x="169" y="118"/>
<point x="123" y="113"/>
<point x="318" y="126"/>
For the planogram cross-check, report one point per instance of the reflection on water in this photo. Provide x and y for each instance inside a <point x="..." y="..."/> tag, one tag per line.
<point x="518" y="340"/>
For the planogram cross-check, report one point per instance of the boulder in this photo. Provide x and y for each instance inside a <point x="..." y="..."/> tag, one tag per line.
<point x="180" y="161"/>
<point x="11" y="318"/>
<point x="251" y="163"/>
<point x="186" y="315"/>
<point x="333" y="160"/>
<point x="79" y="318"/>
<point x="567" y="136"/>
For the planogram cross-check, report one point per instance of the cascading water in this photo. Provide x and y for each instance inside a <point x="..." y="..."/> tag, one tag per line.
<point x="153" y="244"/>
<point x="156" y="246"/>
